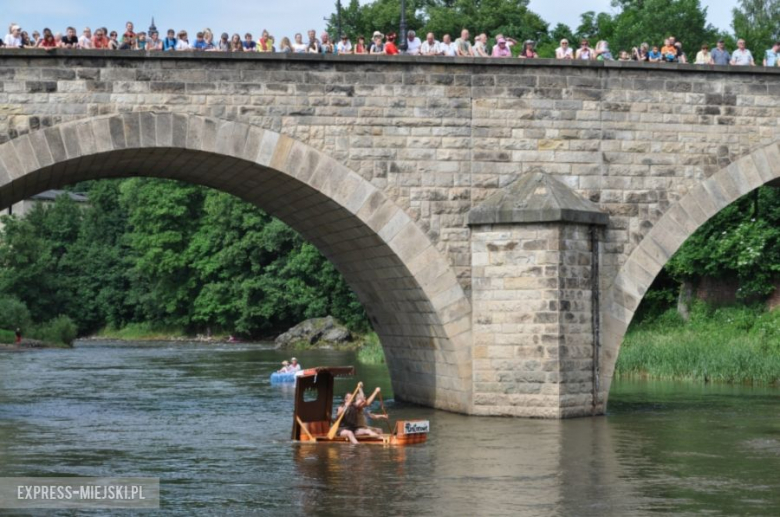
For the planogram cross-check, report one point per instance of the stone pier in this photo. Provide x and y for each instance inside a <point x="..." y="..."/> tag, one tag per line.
<point x="534" y="248"/>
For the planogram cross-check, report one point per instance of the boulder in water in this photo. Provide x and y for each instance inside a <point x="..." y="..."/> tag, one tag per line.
<point x="320" y="332"/>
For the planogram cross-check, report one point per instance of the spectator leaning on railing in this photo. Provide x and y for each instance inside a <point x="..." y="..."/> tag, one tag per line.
<point x="742" y="56"/>
<point x="720" y="56"/>
<point x="771" y="56"/>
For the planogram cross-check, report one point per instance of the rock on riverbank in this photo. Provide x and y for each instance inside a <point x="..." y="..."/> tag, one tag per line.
<point x="324" y="333"/>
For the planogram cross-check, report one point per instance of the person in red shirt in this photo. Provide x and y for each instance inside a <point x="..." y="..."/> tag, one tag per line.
<point x="361" y="47"/>
<point x="390" y="48"/>
<point x="47" y="41"/>
<point x="129" y="34"/>
<point x="99" y="40"/>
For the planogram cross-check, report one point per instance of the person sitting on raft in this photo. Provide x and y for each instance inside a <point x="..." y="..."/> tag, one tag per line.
<point x="366" y="413"/>
<point x="285" y="368"/>
<point x="350" y="427"/>
<point x="294" y="367"/>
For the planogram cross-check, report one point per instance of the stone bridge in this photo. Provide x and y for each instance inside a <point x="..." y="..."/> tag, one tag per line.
<point x="499" y="220"/>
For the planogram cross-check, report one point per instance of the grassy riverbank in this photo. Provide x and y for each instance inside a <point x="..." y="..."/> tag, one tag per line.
<point x="141" y="332"/>
<point x="733" y="345"/>
<point x="368" y="347"/>
<point x="371" y="352"/>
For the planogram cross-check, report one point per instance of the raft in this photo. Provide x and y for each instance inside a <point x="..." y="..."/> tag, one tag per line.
<point x="312" y="417"/>
<point x="283" y="378"/>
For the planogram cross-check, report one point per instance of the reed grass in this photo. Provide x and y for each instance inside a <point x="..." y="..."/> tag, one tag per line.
<point x="141" y="332"/>
<point x="731" y="345"/>
<point x="7" y="337"/>
<point x="371" y="352"/>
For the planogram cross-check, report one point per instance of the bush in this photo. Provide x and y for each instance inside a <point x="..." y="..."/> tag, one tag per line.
<point x="61" y="330"/>
<point x="14" y="313"/>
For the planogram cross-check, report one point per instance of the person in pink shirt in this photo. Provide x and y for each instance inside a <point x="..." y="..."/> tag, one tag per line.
<point x="501" y="49"/>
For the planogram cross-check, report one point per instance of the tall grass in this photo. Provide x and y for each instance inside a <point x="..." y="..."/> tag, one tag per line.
<point x="371" y="352"/>
<point x="734" y="345"/>
<point x="7" y="337"/>
<point x="141" y="332"/>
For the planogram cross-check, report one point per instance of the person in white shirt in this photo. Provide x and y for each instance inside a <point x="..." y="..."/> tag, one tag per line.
<point x="183" y="43"/>
<point x="480" y="46"/>
<point x="299" y="47"/>
<point x="85" y="40"/>
<point x="294" y="366"/>
<point x="447" y="47"/>
<point x="413" y="44"/>
<point x="564" y="51"/>
<point x="344" y="46"/>
<point x="14" y="38"/>
<point x="742" y="56"/>
<point x="430" y="46"/>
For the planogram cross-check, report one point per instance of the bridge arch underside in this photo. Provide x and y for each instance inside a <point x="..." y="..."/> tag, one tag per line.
<point x="410" y="293"/>
<point x="680" y="221"/>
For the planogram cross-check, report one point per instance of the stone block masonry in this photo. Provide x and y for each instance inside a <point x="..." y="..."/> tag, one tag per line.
<point x="533" y="339"/>
<point x="382" y="161"/>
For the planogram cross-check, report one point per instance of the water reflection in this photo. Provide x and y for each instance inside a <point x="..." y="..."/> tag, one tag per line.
<point x="206" y="420"/>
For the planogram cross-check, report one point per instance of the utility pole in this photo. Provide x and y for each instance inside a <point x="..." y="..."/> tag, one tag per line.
<point x="404" y="41"/>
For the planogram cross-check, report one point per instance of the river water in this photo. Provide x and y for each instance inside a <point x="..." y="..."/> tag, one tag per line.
<point x="206" y="421"/>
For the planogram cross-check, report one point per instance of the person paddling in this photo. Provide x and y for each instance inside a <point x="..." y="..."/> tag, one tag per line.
<point x="353" y="423"/>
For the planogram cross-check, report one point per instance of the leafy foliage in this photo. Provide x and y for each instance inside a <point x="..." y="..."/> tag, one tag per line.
<point x="13" y="314"/>
<point x="167" y="255"/>
<point x="742" y="240"/>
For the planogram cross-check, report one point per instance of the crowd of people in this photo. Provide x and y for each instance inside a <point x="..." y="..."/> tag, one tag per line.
<point x="463" y="46"/>
<point x="671" y="52"/>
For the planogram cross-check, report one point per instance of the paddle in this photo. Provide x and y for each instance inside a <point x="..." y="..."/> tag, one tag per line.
<point x="335" y="427"/>
<point x="300" y="423"/>
<point x="387" y="417"/>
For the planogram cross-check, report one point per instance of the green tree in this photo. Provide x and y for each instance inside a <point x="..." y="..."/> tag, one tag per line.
<point x="380" y="15"/>
<point x="162" y="218"/>
<point x="257" y="274"/>
<point x="509" y="17"/>
<point x="95" y="268"/>
<point x="758" y="23"/>
<point x="736" y="242"/>
<point x="31" y="252"/>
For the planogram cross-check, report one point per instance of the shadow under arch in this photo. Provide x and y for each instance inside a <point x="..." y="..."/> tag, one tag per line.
<point x="407" y="287"/>
<point x="680" y="221"/>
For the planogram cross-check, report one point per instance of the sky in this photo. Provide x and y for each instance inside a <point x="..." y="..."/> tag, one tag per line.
<point x="281" y="18"/>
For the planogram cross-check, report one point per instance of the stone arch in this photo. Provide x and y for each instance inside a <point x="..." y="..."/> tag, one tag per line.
<point x="680" y="221"/>
<point x="408" y="288"/>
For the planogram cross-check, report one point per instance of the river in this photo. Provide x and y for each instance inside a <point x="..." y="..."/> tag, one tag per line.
<point x="205" y="420"/>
